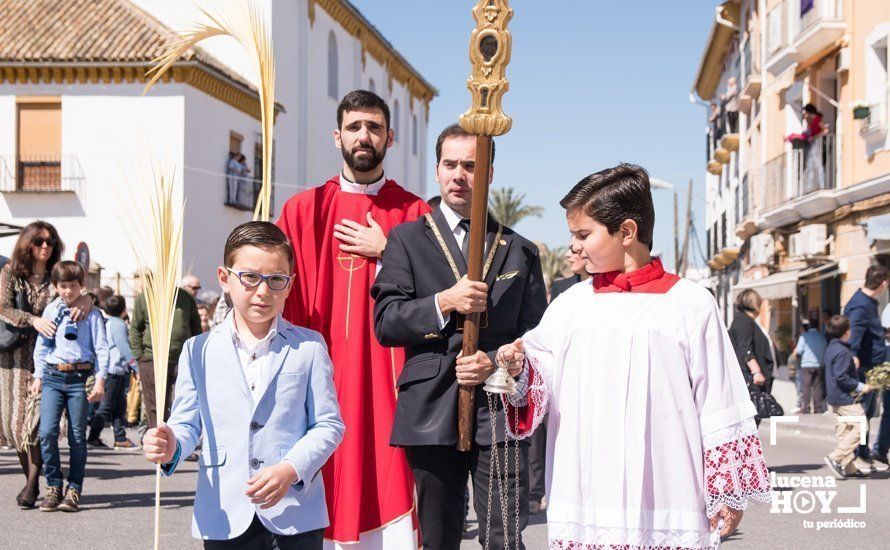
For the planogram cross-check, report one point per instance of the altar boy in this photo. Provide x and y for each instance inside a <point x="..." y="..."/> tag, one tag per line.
<point x="260" y="390"/>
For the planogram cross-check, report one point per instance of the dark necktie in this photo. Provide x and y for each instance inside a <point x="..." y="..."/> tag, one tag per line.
<point x="465" y="245"/>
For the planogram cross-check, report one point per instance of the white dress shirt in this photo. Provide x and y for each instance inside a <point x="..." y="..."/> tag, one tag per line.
<point x="453" y="219"/>
<point x="255" y="360"/>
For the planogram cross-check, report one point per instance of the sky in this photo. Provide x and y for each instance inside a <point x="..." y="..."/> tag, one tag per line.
<point x="592" y="83"/>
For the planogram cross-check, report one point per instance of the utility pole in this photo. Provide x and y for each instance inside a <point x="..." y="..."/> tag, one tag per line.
<point x="684" y="262"/>
<point x="676" y="237"/>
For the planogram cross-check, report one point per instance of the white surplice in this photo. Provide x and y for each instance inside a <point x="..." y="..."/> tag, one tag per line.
<point x="650" y="428"/>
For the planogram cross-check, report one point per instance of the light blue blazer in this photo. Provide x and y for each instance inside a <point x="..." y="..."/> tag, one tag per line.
<point x="297" y="419"/>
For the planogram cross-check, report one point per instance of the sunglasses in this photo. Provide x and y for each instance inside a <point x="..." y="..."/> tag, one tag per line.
<point x="40" y="241"/>
<point x="252" y="279"/>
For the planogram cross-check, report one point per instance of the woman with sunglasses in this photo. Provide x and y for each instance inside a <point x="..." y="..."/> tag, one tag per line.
<point x="24" y="293"/>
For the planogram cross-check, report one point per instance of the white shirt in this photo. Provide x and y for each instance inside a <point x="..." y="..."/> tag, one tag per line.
<point x="362" y="189"/>
<point x="453" y="220"/>
<point x="255" y="360"/>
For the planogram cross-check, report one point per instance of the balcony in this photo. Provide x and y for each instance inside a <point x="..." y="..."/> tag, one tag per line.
<point x="745" y="205"/>
<point x="40" y="174"/>
<point x="780" y="53"/>
<point x="820" y="25"/>
<point x="751" y="78"/>
<point x="800" y="184"/>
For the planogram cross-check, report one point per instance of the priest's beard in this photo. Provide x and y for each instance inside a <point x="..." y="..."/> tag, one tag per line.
<point x="364" y="163"/>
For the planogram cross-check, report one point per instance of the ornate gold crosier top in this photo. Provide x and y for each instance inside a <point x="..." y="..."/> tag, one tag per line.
<point x="490" y="46"/>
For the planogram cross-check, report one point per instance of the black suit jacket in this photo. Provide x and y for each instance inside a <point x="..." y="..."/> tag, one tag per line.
<point x="414" y="270"/>
<point x="749" y="341"/>
<point x="561" y="285"/>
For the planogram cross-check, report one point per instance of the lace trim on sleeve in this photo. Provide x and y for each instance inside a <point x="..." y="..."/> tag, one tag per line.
<point x="735" y="469"/>
<point x="529" y="411"/>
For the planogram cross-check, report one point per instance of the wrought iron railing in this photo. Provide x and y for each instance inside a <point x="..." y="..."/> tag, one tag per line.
<point x="807" y="168"/>
<point x="40" y="174"/>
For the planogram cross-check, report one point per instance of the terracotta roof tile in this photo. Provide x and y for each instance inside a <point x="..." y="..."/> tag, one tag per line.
<point x="83" y="31"/>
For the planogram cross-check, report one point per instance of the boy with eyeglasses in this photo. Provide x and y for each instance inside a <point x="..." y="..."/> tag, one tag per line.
<point x="261" y="393"/>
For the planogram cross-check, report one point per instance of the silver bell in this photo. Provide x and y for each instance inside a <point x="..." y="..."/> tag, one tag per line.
<point x="500" y="382"/>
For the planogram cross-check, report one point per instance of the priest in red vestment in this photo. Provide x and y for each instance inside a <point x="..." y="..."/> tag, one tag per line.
<point x="339" y="235"/>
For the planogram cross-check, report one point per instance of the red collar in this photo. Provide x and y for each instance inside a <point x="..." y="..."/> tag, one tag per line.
<point x="650" y="279"/>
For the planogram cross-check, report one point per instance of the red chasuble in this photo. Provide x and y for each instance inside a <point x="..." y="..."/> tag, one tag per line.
<point x="368" y="484"/>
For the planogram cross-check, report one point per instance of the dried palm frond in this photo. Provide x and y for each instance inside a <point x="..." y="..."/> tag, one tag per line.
<point x="243" y="21"/>
<point x="154" y="227"/>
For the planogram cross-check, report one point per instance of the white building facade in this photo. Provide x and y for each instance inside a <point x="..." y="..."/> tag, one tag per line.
<point x="75" y="125"/>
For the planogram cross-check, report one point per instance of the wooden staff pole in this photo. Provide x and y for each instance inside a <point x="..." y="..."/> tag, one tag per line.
<point x="490" y="46"/>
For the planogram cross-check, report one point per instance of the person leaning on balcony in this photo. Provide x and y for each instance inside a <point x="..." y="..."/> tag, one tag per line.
<point x="752" y="345"/>
<point x="814" y="127"/>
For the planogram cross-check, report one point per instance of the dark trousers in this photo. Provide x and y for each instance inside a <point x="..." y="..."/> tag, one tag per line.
<point x="537" y="458"/>
<point x="257" y="537"/>
<point x="440" y="476"/>
<point x="64" y="391"/>
<point x="147" y="379"/>
<point x="882" y="445"/>
<point x="112" y="408"/>
<point x="813" y="388"/>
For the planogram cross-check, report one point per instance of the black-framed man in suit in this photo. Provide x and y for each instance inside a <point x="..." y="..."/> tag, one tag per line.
<point x="419" y="293"/>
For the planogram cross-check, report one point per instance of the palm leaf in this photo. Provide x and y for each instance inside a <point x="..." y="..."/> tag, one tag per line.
<point x="506" y="206"/>
<point x="243" y="21"/>
<point x="553" y="263"/>
<point x="153" y="223"/>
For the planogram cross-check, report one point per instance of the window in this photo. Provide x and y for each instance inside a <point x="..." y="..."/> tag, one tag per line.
<point x="395" y="119"/>
<point x="414" y="136"/>
<point x="235" y="141"/>
<point x="372" y="86"/>
<point x="333" y="66"/>
<point x="39" y="145"/>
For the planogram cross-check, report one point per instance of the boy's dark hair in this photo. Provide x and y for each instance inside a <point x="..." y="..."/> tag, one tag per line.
<point x="361" y="100"/>
<point x="66" y="272"/>
<point x="265" y="235"/>
<point x="455" y="131"/>
<point x="875" y="275"/>
<point x="614" y="195"/>
<point x="115" y="305"/>
<point x="837" y="326"/>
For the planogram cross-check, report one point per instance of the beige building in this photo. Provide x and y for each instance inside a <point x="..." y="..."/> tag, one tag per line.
<point x="798" y="208"/>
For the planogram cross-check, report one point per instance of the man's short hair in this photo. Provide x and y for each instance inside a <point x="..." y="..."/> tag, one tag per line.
<point x="66" y="272"/>
<point x="115" y="305"/>
<point x="875" y="275"/>
<point x="451" y="132"/>
<point x="837" y="326"/>
<point x="265" y="235"/>
<point x="361" y="100"/>
<point x="614" y="195"/>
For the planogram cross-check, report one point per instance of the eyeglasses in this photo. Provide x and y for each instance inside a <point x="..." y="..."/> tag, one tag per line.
<point x="196" y="288"/>
<point x="40" y="241"/>
<point x="252" y="279"/>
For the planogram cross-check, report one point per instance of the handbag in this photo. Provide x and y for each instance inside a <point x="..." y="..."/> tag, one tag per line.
<point x="765" y="404"/>
<point x="11" y="336"/>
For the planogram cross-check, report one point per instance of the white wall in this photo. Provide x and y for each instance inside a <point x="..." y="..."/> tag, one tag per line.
<point x="208" y="221"/>
<point x="7" y="137"/>
<point x="109" y="136"/>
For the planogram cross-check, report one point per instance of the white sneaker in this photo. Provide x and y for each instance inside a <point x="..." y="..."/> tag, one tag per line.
<point x="863" y="466"/>
<point x="796" y="410"/>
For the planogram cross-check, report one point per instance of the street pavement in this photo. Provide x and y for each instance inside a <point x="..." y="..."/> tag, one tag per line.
<point x="117" y="506"/>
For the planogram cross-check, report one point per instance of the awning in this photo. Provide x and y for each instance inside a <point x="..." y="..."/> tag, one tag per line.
<point x="784" y="283"/>
<point x="9" y="230"/>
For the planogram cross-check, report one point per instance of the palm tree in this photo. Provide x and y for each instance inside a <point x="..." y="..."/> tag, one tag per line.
<point x="553" y="263"/>
<point x="507" y="208"/>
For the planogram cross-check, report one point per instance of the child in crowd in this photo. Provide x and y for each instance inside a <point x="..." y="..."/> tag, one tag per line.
<point x="62" y="365"/>
<point x="261" y="393"/>
<point x="844" y="389"/>
<point x="113" y="406"/>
